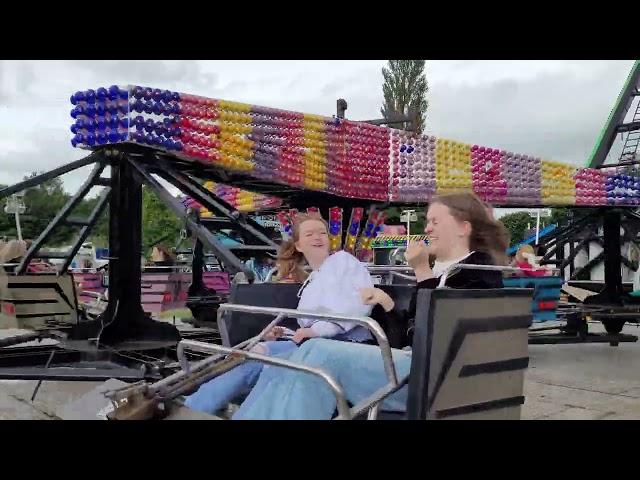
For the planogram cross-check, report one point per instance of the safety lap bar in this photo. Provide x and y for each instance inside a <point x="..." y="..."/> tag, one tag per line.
<point x="366" y="322"/>
<point x="468" y="266"/>
<point x="342" y="405"/>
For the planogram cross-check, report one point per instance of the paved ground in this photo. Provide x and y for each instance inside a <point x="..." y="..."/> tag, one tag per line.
<point x="588" y="381"/>
<point x="581" y="382"/>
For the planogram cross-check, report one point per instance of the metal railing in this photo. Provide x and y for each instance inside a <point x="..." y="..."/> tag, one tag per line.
<point x="366" y="322"/>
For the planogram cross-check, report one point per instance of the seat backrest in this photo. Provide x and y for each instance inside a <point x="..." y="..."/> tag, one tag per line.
<point x="397" y="332"/>
<point x="41" y="301"/>
<point x="236" y="327"/>
<point x="470" y="353"/>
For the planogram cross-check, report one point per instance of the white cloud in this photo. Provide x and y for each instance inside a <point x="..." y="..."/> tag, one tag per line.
<point x="553" y="109"/>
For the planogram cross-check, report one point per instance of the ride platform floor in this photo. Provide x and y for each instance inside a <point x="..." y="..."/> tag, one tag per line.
<point x="564" y="382"/>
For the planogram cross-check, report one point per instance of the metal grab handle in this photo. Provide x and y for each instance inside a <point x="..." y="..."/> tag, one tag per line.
<point x="341" y="401"/>
<point x="402" y="275"/>
<point x="469" y="266"/>
<point x="96" y="295"/>
<point x="366" y="322"/>
<point x="246" y="345"/>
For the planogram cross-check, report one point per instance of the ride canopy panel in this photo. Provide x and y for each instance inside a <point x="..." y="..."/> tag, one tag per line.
<point x="341" y="157"/>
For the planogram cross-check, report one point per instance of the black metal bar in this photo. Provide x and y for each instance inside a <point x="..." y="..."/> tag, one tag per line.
<point x="612" y="252"/>
<point x="613" y="292"/>
<point x="231" y="261"/>
<point x="56" y="172"/>
<point x="573" y="252"/>
<point x="58" y="219"/>
<point x="103" y="182"/>
<point x="206" y="198"/>
<point x="566" y="232"/>
<point x="125" y="238"/>
<point x="197" y="267"/>
<point x="18" y="339"/>
<point x="628" y="127"/>
<point x="77" y="222"/>
<point x="589" y="265"/>
<point x="97" y="211"/>
<point x="70" y="374"/>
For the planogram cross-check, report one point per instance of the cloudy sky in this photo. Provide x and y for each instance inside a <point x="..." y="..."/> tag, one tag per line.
<point x="552" y="109"/>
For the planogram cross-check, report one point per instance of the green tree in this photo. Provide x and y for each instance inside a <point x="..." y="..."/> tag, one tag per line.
<point x="43" y="203"/>
<point x="517" y="224"/>
<point x="558" y="216"/>
<point x="157" y="221"/>
<point x="405" y="86"/>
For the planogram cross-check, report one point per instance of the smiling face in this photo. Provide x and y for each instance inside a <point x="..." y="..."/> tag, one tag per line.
<point x="313" y="241"/>
<point x="447" y="234"/>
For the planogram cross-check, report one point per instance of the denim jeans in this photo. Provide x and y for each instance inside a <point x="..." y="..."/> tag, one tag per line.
<point x="217" y="392"/>
<point x="284" y="394"/>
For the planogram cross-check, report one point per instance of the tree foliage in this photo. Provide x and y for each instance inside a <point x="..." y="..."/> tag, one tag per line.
<point x="516" y="223"/>
<point x="158" y="222"/>
<point x="405" y="86"/>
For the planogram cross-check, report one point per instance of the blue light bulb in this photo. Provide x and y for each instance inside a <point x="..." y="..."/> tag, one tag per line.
<point x="90" y="139"/>
<point x="102" y="93"/>
<point x="137" y="106"/>
<point x="101" y="138"/>
<point x="114" y="136"/>
<point x="90" y="95"/>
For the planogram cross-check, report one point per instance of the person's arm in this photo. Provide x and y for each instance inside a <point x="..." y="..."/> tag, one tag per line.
<point x="417" y="256"/>
<point x="321" y="328"/>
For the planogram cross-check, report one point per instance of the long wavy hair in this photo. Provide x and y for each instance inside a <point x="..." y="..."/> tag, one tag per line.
<point x="290" y="262"/>
<point x="487" y="234"/>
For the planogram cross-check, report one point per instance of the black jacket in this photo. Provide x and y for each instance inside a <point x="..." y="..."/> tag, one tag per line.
<point x="399" y="325"/>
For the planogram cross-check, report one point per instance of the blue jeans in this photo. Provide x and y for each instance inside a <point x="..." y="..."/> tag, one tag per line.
<point x="217" y="392"/>
<point x="284" y="394"/>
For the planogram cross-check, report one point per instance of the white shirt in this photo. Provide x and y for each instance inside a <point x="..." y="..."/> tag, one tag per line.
<point x="440" y="267"/>
<point x="335" y="288"/>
